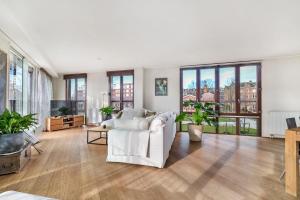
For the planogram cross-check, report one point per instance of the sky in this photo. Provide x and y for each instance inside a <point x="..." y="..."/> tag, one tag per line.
<point x="247" y="73"/>
<point x="116" y="81"/>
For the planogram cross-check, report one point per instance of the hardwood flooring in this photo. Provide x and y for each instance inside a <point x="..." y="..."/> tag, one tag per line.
<point x="222" y="167"/>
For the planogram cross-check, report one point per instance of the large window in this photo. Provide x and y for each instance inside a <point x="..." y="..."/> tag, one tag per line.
<point x="76" y="91"/>
<point x="16" y="82"/>
<point x="237" y="89"/>
<point x="121" y="89"/>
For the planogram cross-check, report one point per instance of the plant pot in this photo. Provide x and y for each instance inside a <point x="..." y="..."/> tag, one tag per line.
<point x="105" y="117"/>
<point x="195" y="132"/>
<point x="10" y="143"/>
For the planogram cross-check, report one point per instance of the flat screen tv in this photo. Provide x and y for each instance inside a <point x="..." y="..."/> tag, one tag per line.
<point x="69" y="107"/>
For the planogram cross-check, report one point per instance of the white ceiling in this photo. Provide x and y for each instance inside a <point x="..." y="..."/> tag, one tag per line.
<point x="93" y="35"/>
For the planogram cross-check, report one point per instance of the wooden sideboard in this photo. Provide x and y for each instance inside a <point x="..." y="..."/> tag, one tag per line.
<point x="64" y="122"/>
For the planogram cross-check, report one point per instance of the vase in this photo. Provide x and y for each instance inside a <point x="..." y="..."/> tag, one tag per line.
<point x="195" y="132"/>
<point x="10" y="143"/>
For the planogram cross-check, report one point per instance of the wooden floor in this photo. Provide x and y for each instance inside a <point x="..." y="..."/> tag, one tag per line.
<point x="222" y="167"/>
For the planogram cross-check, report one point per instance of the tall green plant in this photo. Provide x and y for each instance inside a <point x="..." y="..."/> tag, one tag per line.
<point x="204" y="112"/>
<point x="13" y="122"/>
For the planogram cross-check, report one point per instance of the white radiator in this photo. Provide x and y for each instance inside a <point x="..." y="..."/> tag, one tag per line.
<point x="276" y="125"/>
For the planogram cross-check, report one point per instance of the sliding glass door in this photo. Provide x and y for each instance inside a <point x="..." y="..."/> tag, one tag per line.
<point x="237" y="90"/>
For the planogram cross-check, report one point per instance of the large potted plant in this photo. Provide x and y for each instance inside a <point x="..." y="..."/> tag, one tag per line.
<point x="106" y="112"/>
<point x="12" y="127"/>
<point x="204" y="114"/>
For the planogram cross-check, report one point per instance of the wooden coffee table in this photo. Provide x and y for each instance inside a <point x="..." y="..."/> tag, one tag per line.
<point x="100" y="130"/>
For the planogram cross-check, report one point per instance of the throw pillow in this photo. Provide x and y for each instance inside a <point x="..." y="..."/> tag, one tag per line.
<point x="149" y="113"/>
<point x="136" y="124"/>
<point x="128" y="113"/>
<point x="119" y="114"/>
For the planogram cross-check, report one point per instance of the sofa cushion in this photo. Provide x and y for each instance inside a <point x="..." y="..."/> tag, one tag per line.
<point x="135" y="124"/>
<point x="130" y="113"/>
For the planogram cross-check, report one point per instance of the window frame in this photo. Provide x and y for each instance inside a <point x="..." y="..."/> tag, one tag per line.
<point x="121" y="73"/>
<point x="237" y="114"/>
<point x="69" y="77"/>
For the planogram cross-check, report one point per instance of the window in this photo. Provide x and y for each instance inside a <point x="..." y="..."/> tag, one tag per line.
<point x="121" y="89"/>
<point x="76" y="91"/>
<point x="227" y="89"/>
<point x="237" y="89"/>
<point x="16" y="82"/>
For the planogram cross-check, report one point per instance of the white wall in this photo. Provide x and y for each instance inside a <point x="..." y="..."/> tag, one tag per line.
<point x="138" y="88"/>
<point x="162" y="103"/>
<point x="4" y="42"/>
<point x="97" y="85"/>
<point x="280" y="87"/>
<point x="59" y="88"/>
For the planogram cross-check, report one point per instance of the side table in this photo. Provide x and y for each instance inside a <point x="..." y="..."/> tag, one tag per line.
<point x="100" y="130"/>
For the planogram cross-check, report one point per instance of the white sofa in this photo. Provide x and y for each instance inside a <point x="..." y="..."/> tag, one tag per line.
<point x="161" y="132"/>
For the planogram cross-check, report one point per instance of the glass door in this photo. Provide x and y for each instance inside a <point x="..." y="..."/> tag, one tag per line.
<point x="208" y="91"/>
<point x="188" y="92"/>
<point x="122" y="91"/>
<point x="128" y="97"/>
<point x="115" y="93"/>
<point x="249" y="93"/>
<point x="227" y="100"/>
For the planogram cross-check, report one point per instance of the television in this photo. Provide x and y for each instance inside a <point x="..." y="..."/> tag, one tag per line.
<point x="56" y="106"/>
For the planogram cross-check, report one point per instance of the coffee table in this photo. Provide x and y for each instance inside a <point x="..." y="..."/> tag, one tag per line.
<point x="100" y="130"/>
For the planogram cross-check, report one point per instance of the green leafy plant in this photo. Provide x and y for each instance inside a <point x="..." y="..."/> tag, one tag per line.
<point x="204" y="113"/>
<point x="64" y="110"/>
<point x="108" y="110"/>
<point x="13" y="122"/>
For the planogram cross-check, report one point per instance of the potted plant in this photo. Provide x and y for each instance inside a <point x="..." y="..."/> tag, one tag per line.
<point x="204" y="113"/>
<point x="64" y="111"/>
<point x="12" y="127"/>
<point x="106" y="112"/>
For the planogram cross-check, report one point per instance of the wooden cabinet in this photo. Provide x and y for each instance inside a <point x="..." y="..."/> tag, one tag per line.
<point x="59" y="123"/>
<point x="54" y="124"/>
<point x="78" y="120"/>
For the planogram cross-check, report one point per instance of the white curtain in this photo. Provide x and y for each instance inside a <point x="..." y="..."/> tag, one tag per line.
<point x="42" y="95"/>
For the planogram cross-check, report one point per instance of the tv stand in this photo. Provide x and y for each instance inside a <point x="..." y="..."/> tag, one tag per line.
<point x="64" y="122"/>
